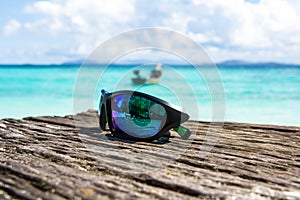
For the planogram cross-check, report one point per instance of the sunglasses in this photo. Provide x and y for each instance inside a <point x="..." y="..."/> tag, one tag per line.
<point x="138" y="116"/>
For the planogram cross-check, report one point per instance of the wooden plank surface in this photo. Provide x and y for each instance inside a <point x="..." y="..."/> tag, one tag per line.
<point x="70" y="158"/>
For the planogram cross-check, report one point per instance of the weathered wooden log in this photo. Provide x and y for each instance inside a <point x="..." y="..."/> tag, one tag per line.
<point x="71" y="158"/>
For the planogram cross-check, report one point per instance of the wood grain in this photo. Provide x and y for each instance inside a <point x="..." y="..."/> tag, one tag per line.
<point x="71" y="158"/>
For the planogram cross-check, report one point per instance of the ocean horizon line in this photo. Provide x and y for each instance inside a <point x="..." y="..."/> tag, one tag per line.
<point x="229" y="63"/>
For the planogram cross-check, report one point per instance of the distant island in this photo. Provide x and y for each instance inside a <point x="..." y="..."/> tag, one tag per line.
<point x="258" y="64"/>
<point x="223" y="63"/>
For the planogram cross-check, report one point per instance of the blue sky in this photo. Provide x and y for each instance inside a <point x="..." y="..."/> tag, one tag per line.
<point x="57" y="31"/>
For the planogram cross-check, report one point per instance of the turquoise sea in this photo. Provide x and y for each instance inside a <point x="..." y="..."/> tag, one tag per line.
<point x="265" y="94"/>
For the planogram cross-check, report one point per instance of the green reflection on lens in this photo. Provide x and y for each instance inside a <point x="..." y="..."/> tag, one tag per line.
<point x="143" y="110"/>
<point x="137" y="116"/>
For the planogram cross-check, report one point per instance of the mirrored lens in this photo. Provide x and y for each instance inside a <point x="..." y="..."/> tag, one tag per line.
<point x="137" y="116"/>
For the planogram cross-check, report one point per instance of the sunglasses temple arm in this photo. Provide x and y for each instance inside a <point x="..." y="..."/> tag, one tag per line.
<point x="184" y="133"/>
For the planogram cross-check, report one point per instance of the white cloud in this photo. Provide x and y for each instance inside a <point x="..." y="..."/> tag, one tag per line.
<point x="249" y="25"/>
<point x="80" y="16"/>
<point x="87" y="23"/>
<point x="11" y="27"/>
<point x="45" y="7"/>
<point x="203" y="38"/>
<point x="266" y="29"/>
<point x="263" y="26"/>
<point x="178" y="21"/>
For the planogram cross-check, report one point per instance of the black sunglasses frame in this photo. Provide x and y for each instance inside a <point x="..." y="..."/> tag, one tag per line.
<point x="175" y="115"/>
